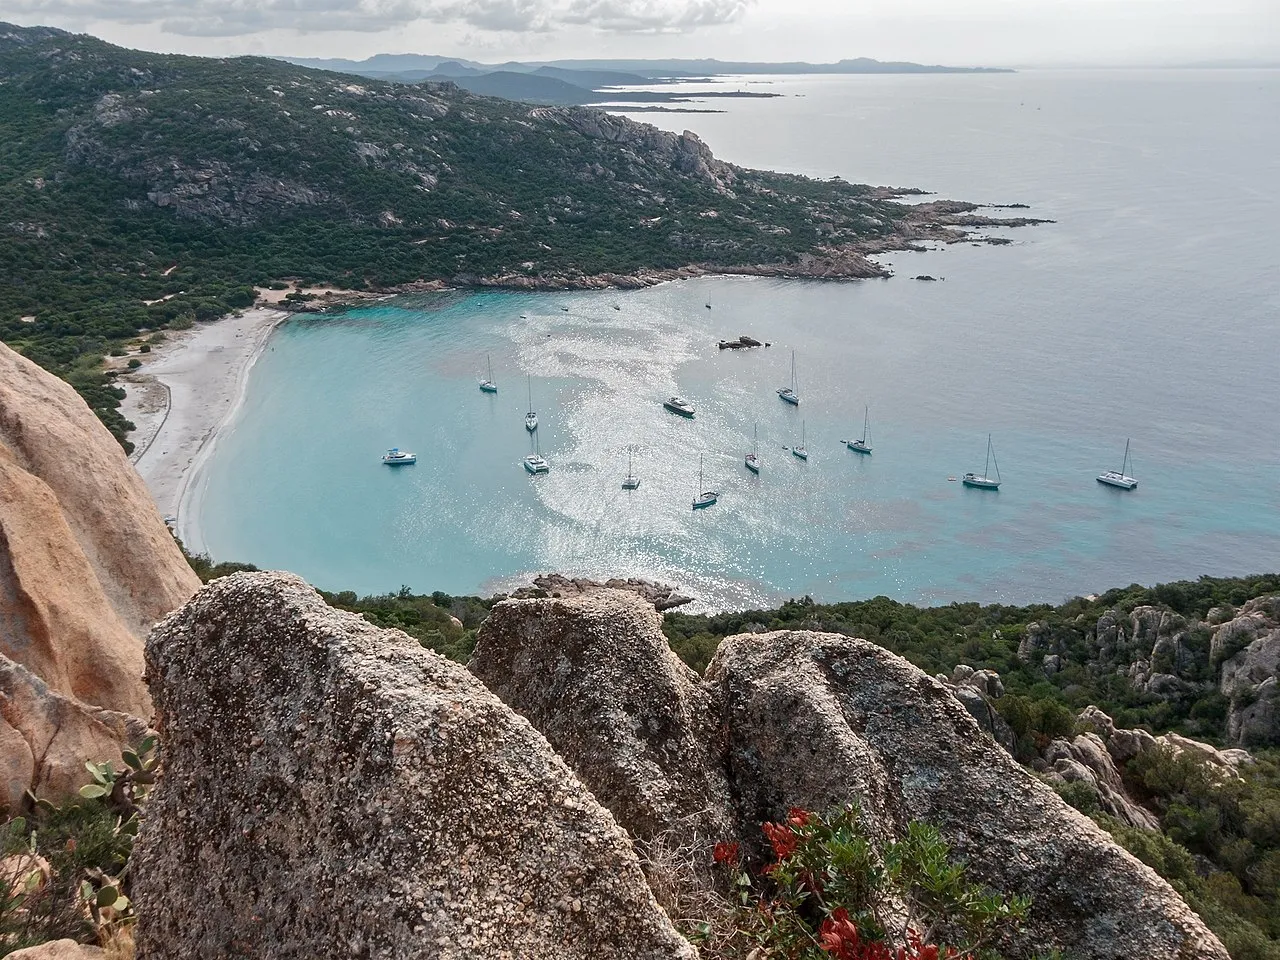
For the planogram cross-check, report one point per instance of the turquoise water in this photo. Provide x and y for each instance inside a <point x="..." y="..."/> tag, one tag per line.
<point x="1150" y="310"/>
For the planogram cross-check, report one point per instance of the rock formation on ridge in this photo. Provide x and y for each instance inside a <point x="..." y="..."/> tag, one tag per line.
<point x="333" y="790"/>
<point x="86" y="567"/>
<point x="816" y="720"/>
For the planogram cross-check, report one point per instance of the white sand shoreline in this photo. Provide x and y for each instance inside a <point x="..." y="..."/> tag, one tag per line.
<point x="186" y="392"/>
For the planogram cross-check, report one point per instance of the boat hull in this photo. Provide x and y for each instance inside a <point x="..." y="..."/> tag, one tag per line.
<point x="531" y="424"/>
<point x="1119" y="481"/>
<point x="981" y="483"/>
<point x="537" y="466"/>
<point x="800" y="454"/>
<point x="399" y="461"/>
<point x="488" y="388"/>
<point x="631" y="483"/>
<point x="786" y="396"/>
<point x="857" y="446"/>
<point x="752" y="464"/>
<point x="679" y="411"/>
<point x="706" y="500"/>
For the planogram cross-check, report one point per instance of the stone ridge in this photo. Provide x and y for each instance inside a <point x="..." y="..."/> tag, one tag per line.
<point x="617" y="704"/>
<point x="819" y="719"/>
<point x="334" y="790"/>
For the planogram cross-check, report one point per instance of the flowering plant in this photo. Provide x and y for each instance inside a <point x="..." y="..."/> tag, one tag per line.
<point x="827" y="891"/>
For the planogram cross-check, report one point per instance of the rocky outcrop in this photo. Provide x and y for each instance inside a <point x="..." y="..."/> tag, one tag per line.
<point x="1086" y="759"/>
<point x="660" y="595"/>
<point x="1248" y="646"/>
<point x="45" y="738"/>
<point x="334" y="790"/>
<point x="976" y="689"/>
<point x="817" y="719"/>
<point x="596" y="677"/>
<point x="86" y="564"/>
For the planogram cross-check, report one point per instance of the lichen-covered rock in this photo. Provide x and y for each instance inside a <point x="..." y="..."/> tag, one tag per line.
<point x="596" y="677"/>
<point x="818" y="720"/>
<point x="86" y="564"/>
<point x="333" y="790"/>
<point x="1249" y="647"/>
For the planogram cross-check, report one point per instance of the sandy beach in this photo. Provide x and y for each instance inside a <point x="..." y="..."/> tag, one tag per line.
<point x="186" y="391"/>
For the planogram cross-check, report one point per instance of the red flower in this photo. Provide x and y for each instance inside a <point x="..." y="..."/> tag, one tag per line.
<point x="781" y="839"/>
<point x="726" y="852"/>
<point x="797" y="817"/>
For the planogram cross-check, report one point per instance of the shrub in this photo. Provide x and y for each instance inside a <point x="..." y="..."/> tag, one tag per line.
<point x="828" y="890"/>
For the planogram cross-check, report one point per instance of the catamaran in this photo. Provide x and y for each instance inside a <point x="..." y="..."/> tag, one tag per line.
<point x="863" y="445"/>
<point x="534" y="462"/>
<point x="487" y="385"/>
<point x="396" y="457"/>
<point x="531" y="418"/>
<point x="679" y="405"/>
<point x="801" y="451"/>
<point x="752" y="461"/>
<point x="630" y="481"/>
<point x="1121" y="478"/>
<point x="704" y="498"/>
<point x="791" y="394"/>
<point x="984" y="481"/>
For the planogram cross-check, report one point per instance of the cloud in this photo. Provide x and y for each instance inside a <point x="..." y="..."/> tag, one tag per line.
<point x="229" y="18"/>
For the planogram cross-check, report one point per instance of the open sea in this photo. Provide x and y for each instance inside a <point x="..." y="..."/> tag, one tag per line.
<point x="1150" y="310"/>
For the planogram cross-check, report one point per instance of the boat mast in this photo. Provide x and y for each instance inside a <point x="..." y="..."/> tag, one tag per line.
<point x="795" y="387"/>
<point x="1125" y="464"/>
<point x="992" y="452"/>
<point x="755" y="444"/>
<point x="986" y="471"/>
<point x="699" y="474"/>
<point x="866" y="419"/>
<point x="488" y="360"/>
<point x="531" y="393"/>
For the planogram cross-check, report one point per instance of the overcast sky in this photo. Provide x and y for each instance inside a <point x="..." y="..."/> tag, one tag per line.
<point x="993" y="32"/>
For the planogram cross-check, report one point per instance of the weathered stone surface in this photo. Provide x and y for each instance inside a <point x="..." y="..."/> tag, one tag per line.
<point x="596" y="677"/>
<point x="45" y="738"/>
<point x="1085" y="759"/>
<point x="818" y="719"/>
<point x="975" y="689"/>
<point x="86" y="564"/>
<point x="60" y="950"/>
<point x="660" y="595"/>
<point x="1249" y="645"/>
<point x="333" y="790"/>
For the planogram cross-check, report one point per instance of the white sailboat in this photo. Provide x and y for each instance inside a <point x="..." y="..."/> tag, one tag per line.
<point x="531" y="418"/>
<point x="801" y="451"/>
<point x="752" y="461"/>
<point x="487" y="385"/>
<point x="704" y="498"/>
<point x="791" y="394"/>
<point x="863" y="445"/>
<point x="1120" y="478"/>
<point x="630" y="481"/>
<point x="984" y="481"/>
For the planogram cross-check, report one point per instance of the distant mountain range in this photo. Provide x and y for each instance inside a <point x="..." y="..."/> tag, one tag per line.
<point x="580" y="82"/>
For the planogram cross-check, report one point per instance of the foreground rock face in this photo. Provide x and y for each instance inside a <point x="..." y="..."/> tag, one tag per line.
<point x="596" y="677"/>
<point x="86" y="564"/>
<point x="333" y="790"/>
<point x="817" y="720"/>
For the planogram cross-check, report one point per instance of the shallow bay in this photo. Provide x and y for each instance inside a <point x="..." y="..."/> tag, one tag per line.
<point x="1148" y="310"/>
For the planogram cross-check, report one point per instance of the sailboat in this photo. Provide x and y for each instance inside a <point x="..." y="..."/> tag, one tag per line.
<point x="801" y="451"/>
<point x="534" y="462"/>
<point x="752" y="461"/>
<point x="863" y="445"/>
<point x="791" y="394"/>
<point x="984" y="481"/>
<point x="1121" y="478"/>
<point x="631" y="481"/>
<point x="487" y="385"/>
<point x="704" y="498"/>
<point x="531" y="418"/>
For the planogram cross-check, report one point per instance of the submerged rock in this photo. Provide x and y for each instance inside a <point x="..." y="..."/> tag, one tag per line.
<point x="334" y="790"/>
